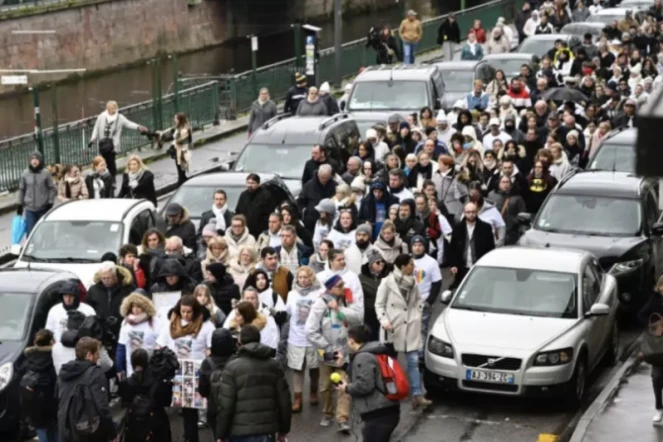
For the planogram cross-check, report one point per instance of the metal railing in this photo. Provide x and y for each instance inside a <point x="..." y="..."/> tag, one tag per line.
<point x="67" y="143"/>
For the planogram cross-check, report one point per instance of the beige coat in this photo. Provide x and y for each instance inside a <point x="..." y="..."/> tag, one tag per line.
<point x="77" y="188"/>
<point x="403" y="313"/>
<point x="411" y="31"/>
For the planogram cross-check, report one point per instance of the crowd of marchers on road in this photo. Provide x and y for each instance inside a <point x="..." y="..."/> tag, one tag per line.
<point x="339" y="283"/>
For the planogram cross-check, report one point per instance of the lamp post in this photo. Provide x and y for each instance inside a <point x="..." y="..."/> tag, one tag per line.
<point x="338" y="41"/>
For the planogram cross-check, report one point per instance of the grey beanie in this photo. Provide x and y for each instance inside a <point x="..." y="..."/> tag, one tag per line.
<point x="210" y="229"/>
<point x="365" y="228"/>
<point x="374" y="255"/>
<point x="326" y="205"/>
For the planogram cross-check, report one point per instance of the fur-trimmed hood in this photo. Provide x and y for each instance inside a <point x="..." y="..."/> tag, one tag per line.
<point x="123" y="276"/>
<point x="142" y="301"/>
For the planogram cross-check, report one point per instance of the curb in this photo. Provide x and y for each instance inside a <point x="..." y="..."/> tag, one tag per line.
<point x="606" y="396"/>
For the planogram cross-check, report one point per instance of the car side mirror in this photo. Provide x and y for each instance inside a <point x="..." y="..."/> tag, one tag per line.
<point x="16" y="249"/>
<point x="657" y="229"/>
<point x="598" y="309"/>
<point x="446" y="296"/>
<point x="524" y="218"/>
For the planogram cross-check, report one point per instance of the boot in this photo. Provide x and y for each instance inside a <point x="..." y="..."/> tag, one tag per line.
<point x="315" y="377"/>
<point x="420" y="401"/>
<point x="297" y="403"/>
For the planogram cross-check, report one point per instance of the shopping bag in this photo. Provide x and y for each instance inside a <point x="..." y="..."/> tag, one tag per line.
<point x="18" y="229"/>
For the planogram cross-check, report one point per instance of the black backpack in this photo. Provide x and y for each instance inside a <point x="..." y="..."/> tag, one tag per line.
<point x="137" y="424"/>
<point x="215" y="380"/>
<point x="38" y="401"/>
<point x="83" y="419"/>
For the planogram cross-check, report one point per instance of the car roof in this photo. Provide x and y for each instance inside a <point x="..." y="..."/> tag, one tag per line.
<point x="284" y="129"/>
<point x="545" y="259"/>
<point x="508" y="56"/>
<point x="110" y="210"/>
<point x="224" y="179"/>
<point x="396" y="72"/>
<point x="612" y="11"/>
<point x="549" y="37"/>
<point x="457" y="65"/>
<point x="602" y="183"/>
<point x="588" y="24"/>
<point x="626" y="136"/>
<point x="26" y="280"/>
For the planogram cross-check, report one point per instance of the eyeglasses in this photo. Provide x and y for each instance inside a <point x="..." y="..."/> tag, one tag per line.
<point x="380" y="262"/>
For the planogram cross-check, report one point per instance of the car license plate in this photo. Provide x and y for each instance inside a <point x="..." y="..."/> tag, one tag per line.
<point x="496" y="377"/>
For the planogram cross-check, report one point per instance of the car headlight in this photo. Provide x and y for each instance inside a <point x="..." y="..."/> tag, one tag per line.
<point x="622" y="267"/>
<point x="555" y="357"/>
<point x="6" y="373"/>
<point x="440" y="348"/>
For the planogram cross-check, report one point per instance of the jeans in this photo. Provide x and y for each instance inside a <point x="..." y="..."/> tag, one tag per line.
<point x="408" y="52"/>
<point x="379" y="429"/>
<point x="413" y="374"/>
<point x="425" y="320"/>
<point x="44" y="436"/>
<point x="254" y="438"/>
<point x="31" y="219"/>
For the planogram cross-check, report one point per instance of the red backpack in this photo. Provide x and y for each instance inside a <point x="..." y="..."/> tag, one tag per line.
<point x="395" y="380"/>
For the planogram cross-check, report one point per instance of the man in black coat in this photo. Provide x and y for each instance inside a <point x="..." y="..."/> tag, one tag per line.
<point x="374" y="208"/>
<point x="521" y="18"/>
<point x="255" y="397"/>
<point x="471" y="238"/>
<point x="319" y="156"/>
<point x="223" y="287"/>
<point x="256" y="205"/>
<point x="407" y="224"/>
<point x="448" y="35"/>
<point x="627" y="118"/>
<point x="219" y="210"/>
<point x="112" y="283"/>
<point x="320" y="187"/>
<point x="295" y="94"/>
<point x="180" y="225"/>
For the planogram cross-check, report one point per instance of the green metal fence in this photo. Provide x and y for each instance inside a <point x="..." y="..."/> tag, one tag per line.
<point x="68" y="143"/>
<point x="278" y="77"/>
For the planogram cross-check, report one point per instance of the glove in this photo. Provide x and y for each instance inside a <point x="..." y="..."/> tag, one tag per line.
<point x="90" y="144"/>
<point x="19" y="210"/>
<point x="280" y="318"/>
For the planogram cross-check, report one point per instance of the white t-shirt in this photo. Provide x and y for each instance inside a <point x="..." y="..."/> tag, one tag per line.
<point x="267" y="298"/>
<point x="188" y="347"/>
<point x="57" y="318"/>
<point x="342" y="241"/>
<point x="489" y="138"/>
<point x="426" y="272"/>
<point x="298" y="308"/>
<point x="137" y="336"/>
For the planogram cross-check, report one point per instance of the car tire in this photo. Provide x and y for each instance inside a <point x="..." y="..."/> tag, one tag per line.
<point x="612" y="351"/>
<point x="577" y="386"/>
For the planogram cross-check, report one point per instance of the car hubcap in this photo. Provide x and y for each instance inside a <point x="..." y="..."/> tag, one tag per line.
<point x="580" y="381"/>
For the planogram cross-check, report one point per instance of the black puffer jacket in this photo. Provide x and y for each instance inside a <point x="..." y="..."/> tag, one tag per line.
<point x="369" y="285"/>
<point x="39" y="361"/>
<point x="256" y="206"/>
<point x="312" y="193"/>
<point x="223" y="347"/>
<point x="185" y="230"/>
<point x="223" y="289"/>
<point x="173" y="267"/>
<point x="255" y="398"/>
<point x="161" y="393"/>
<point x="106" y="301"/>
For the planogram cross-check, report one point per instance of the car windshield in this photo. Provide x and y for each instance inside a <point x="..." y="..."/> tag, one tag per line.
<point x="385" y="95"/>
<point x="198" y="199"/>
<point x="509" y="67"/>
<point x="614" y="157"/>
<point x="519" y="292"/>
<point x="580" y="30"/>
<point x="606" y="19"/>
<point x="286" y="161"/>
<point x="14" y="315"/>
<point x="73" y="241"/>
<point x="536" y="47"/>
<point x="457" y="80"/>
<point x="590" y="215"/>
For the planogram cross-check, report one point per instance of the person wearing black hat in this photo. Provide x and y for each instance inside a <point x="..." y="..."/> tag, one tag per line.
<point x="374" y="208"/>
<point x="173" y="277"/>
<point x="295" y="94"/>
<point x="36" y="192"/>
<point x="223" y="287"/>
<point x="180" y="225"/>
<point x="70" y="296"/>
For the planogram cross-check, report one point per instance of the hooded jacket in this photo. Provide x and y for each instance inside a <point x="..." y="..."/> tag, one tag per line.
<point x="172" y="267"/>
<point x="223" y="289"/>
<point x="56" y="320"/>
<point x="410" y="227"/>
<point x="36" y="189"/>
<point x="39" y="361"/>
<point x="390" y="252"/>
<point x="144" y="189"/>
<point x="366" y="385"/>
<point x="106" y="301"/>
<point x="247" y="239"/>
<point x="255" y="397"/>
<point x="312" y="109"/>
<point x="255" y="206"/>
<point x="222" y="349"/>
<point x="369" y="284"/>
<point x="136" y="333"/>
<point x="368" y="208"/>
<point x="86" y="373"/>
<point x="185" y="230"/>
<point x="312" y="193"/>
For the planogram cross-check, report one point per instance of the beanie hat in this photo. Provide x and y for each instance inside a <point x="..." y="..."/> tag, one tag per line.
<point x="403" y="125"/>
<point x="371" y="133"/>
<point x="365" y="228"/>
<point x="326" y="205"/>
<point x="217" y="269"/>
<point x="324" y="87"/>
<point x="332" y="281"/>
<point x="209" y="229"/>
<point x="418" y="239"/>
<point x="374" y="255"/>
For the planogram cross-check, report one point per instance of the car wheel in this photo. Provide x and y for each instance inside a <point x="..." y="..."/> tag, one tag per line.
<point x="578" y="384"/>
<point x="612" y="350"/>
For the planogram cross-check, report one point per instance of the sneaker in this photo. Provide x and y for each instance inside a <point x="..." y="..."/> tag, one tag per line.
<point x="658" y="417"/>
<point x="344" y="427"/>
<point x="326" y="421"/>
<point x="202" y="424"/>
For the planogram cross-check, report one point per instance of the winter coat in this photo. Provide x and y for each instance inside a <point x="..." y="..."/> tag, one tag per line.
<point x="311" y="168"/>
<point x="448" y="32"/>
<point x="144" y="189"/>
<point x="466" y="52"/>
<point x="85" y="373"/>
<point x="172" y="267"/>
<point x="208" y="216"/>
<point x="402" y="312"/>
<point x="260" y="114"/>
<point x="303" y="253"/>
<point x="108" y="182"/>
<point x="39" y="360"/>
<point x="312" y="193"/>
<point x="255" y="397"/>
<point x="36" y="189"/>
<point x="484" y="242"/>
<point x="390" y="252"/>
<point x="256" y="207"/>
<point x="293" y="97"/>
<point x="105" y="129"/>
<point x="451" y="193"/>
<point x="246" y="239"/>
<point x="312" y="109"/>
<point x="498" y="46"/>
<point x="264" y="322"/>
<point x="355" y="258"/>
<point x="185" y="229"/>
<point x="238" y="272"/>
<point x="224" y="290"/>
<point x="370" y="284"/>
<point x="410" y="31"/>
<point x="72" y="190"/>
<point x="367" y="209"/>
<point x="366" y="386"/>
<point x="106" y="301"/>
<point x="515" y="205"/>
<point x="330" y="103"/>
<point x="580" y="15"/>
<point x="223" y="346"/>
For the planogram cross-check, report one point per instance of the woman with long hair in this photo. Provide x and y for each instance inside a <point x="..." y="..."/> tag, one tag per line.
<point x="137" y="181"/>
<point x="72" y="186"/>
<point x="182" y="137"/>
<point x="389" y="243"/>
<point x="318" y="260"/>
<point x="188" y="333"/>
<point x="343" y="233"/>
<point x="152" y="249"/>
<point x="327" y="210"/>
<point x="204" y="296"/>
<point x="426" y="118"/>
<point x="241" y="267"/>
<point x="259" y="280"/>
<point x="498" y="84"/>
<point x="540" y="184"/>
<point x="291" y="218"/>
<point x="100" y="183"/>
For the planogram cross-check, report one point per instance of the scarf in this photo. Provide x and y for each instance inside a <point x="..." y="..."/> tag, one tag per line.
<point x="304" y="291"/>
<point x="111" y="121"/>
<point x="179" y="330"/>
<point x="490" y="164"/>
<point x="405" y="282"/>
<point x="71" y="180"/>
<point x="98" y="183"/>
<point x="220" y="218"/>
<point x="473" y="47"/>
<point x="222" y="258"/>
<point x="389" y="243"/>
<point x="134" y="177"/>
<point x="136" y="319"/>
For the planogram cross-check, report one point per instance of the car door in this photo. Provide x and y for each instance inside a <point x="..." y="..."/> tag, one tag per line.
<point x="591" y="289"/>
<point x="143" y="221"/>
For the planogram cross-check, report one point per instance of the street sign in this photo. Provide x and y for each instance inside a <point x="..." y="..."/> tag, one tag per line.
<point x="254" y="43"/>
<point x="12" y="80"/>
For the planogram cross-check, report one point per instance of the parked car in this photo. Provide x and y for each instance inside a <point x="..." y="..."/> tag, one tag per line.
<point x="510" y="63"/>
<point x="616" y="152"/>
<point x="579" y="29"/>
<point x="27" y="296"/>
<point x="525" y="321"/>
<point x="540" y="44"/>
<point x="613" y="215"/>
<point x="458" y="78"/>
<point x="75" y="235"/>
<point x="197" y="193"/>
<point x="607" y="16"/>
<point x="282" y="146"/>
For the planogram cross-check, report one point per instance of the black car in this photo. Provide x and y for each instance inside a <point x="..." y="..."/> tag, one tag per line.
<point x="616" y="152"/>
<point x="613" y="215"/>
<point x="26" y="297"/>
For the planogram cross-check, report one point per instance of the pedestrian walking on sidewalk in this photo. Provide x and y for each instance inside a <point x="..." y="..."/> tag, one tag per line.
<point x="137" y="181"/>
<point x="182" y="138"/>
<point x="448" y="35"/>
<point x="107" y="133"/>
<point x="410" y="32"/>
<point x="36" y="192"/>
<point x="651" y="316"/>
<point x="100" y="183"/>
<point x="262" y="110"/>
<point x="72" y="186"/>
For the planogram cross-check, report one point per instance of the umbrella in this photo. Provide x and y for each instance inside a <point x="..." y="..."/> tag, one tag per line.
<point x="564" y="94"/>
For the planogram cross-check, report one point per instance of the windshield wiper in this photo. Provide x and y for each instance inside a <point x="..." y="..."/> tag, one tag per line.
<point x="472" y="309"/>
<point x="33" y="258"/>
<point x="71" y="259"/>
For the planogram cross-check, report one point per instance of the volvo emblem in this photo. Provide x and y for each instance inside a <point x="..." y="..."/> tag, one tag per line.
<point x="491" y="362"/>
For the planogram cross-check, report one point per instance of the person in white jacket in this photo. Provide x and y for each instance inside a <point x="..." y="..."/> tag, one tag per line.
<point x="65" y="350"/>
<point x="336" y="266"/>
<point x="140" y="329"/>
<point x="560" y="166"/>
<point x="69" y="294"/>
<point x="531" y="24"/>
<point x="355" y="255"/>
<point x="343" y="233"/>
